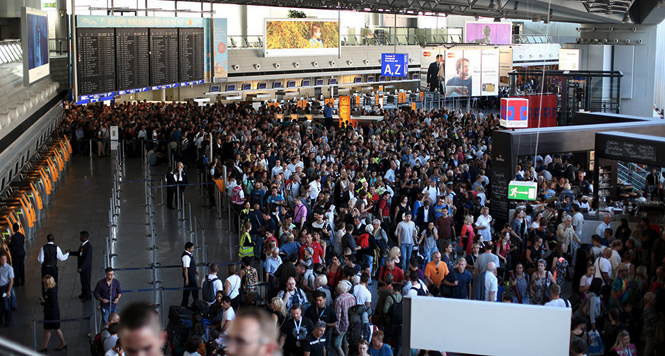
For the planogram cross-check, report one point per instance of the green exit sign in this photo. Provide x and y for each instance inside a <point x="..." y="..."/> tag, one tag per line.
<point x="522" y="190"/>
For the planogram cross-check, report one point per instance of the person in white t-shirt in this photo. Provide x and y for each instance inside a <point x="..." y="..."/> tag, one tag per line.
<point x="491" y="283"/>
<point x="362" y="294"/>
<point x="615" y="259"/>
<point x="604" y="267"/>
<point x="556" y="301"/>
<point x="227" y="319"/>
<point x="216" y="282"/>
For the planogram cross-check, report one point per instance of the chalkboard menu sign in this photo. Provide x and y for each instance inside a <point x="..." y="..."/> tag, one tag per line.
<point x="132" y="58"/>
<point x="163" y="56"/>
<point x="190" y="54"/>
<point x="499" y="196"/>
<point x="631" y="151"/>
<point x="96" y="60"/>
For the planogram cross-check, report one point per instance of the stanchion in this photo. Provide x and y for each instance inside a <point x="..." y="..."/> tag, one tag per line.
<point x="90" y="148"/>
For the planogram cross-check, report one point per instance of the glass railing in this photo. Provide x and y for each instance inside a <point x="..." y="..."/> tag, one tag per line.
<point x="10" y="348"/>
<point x="531" y="39"/>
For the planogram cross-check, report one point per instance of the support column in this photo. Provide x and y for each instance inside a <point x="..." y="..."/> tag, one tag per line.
<point x="242" y="17"/>
<point x="61" y="22"/>
<point x="376" y="20"/>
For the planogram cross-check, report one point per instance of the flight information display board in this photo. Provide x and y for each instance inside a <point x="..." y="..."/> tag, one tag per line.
<point x="190" y="46"/>
<point x="163" y="58"/>
<point x="96" y="60"/>
<point x="133" y="59"/>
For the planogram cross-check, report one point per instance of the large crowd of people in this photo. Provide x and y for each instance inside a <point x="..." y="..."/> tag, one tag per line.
<point x="343" y="222"/>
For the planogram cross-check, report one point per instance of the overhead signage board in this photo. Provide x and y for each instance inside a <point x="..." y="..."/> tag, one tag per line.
<point x="394" y="64"/>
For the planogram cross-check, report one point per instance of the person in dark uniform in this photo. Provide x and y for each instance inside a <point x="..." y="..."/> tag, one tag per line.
<point x="189" y="273"/>
<point x="48" y="257"/>
<point x="295" y="332"/>
<point x="51" y="312"/>
<point x="170" y="190"/>
<point x="18" y="255"/>
<point x="315" y="344"/>
<point x="432" y="73"/>
<point x="328" y="115"/>
<point x="84" y="254"/>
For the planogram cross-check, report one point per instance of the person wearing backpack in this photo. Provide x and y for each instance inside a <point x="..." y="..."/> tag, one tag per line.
<point x="393" y="311"/>
<point x="418" y="287"/>
<point x="212" y="284"/>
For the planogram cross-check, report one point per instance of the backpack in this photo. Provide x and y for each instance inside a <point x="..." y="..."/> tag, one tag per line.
<point x="97" y="344"/>
<point x="209" y="291"/>
<point x="420" y="291"/>
<point x="202" y="308"/>
<point x="396" y="312"/>
<point x="357" y="329"/>
<point x="256" y="197"/>
<point x="249" y="287"/>
<point x="363" y="241"/>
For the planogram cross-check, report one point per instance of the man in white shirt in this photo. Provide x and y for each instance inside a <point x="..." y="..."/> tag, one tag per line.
<point x="216" y="282"/>
<point x="360" y="291"/>
<point x="277" y="169"/>
<point x="390" y="174"/>
<point x="491" y="283"/>
<point x="557" y="302"/>
<point x="432" y="190"/>
<point x="227" y="320"/>
<point x="578" y="220"/>
<point x="48" y="257"/>
<point x="315" y="187"/>
<point x="607" y="219"/>
<point x="615" y="259"/>
<point x="604" y="267"/>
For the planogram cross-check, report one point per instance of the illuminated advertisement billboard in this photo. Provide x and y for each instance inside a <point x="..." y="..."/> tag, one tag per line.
<point x="35" y="45"/>
<point x="490" y="33"/>
<point x="313" y="37"/>
<point x="472" y="72"/>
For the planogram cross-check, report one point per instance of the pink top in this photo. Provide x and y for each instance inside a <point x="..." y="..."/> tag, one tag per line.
<point x="630" y="351"/>
<point x="300" y="213"/>
<point x="467" y="228"/>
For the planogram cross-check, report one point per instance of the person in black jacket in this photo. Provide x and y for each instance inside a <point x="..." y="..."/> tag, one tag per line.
<point x="432" y="74"/>
<point x="18" y="255"/>
<point x="84" y="254"/>
<point x="170" y="190"/>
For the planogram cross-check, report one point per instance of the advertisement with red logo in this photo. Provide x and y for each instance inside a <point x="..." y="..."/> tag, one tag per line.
<point x="544" y="110"/>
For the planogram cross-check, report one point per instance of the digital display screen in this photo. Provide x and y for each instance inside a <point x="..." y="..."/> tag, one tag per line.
<point x="304" y="83"/>
<point x="333" y="81"/>
<point x="370" y="79"/>
<point x="163" y="62"/>
<point x="96" y="60"/>
<point x="277" y="85"/>
<point x="190" y="54"/>
<point x="262" y="85"/>
<point x="290" y="37"/>
<point x="319" y="82"/>
<point x="132" y="58"/>
<point x="247" y="86"/>
<point x="291" y="83"/>
<point x="382" y="79"/>
<point x="358" y="79"/>
<point x="214" y="88"/>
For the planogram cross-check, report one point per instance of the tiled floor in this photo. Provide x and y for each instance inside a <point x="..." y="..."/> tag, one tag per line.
<point x="82" y="203"/>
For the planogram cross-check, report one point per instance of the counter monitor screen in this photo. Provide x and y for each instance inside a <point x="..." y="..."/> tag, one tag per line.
<point x="291" y="84"/>
<point x="230" y="87"/>
<point x="214" y="88"/>
<point x="358" y="79"/>
<point x="276" y="85"/>
<point x="304" y="83"/>
<point x="333" y="81"/>
<point x="262" y="85"/>
<point x="319" y="82"/>
<point x="247" y="86"/>
<point x="370" y="79"/>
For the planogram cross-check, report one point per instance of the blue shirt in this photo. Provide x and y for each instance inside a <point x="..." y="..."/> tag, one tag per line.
<point x="104" y="291"/>
<point x="289" y="248"/>
<point x="327" y="112"/>
<point x="384" y="351"/>
<point x="6" y="273"/>
<point x="438" y="210"/>
<point x="463" y="280"/>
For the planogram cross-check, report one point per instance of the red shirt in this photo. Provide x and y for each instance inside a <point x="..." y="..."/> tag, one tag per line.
<point x="385" y="208"/>
<point x="398" y="275"/>
<point x="317" y="256"/>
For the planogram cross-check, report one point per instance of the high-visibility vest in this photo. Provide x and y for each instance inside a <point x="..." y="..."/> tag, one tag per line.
<point x="246" y="251"/>
<point x="235" y="198"/>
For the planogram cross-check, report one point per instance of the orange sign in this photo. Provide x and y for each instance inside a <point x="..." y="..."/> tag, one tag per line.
<point x="376" y="99"/>
<point x="413" y="106"/>
<point x="300" y="104"/>
<point x="279" y="117"/>
<point x="294" y="117"/>
<point x="357" y="100"/>
<point x="422" y="95"/>
<point x="427" y="54"/>
<point x="309" y="117"/>
<point x="344" y="110"/>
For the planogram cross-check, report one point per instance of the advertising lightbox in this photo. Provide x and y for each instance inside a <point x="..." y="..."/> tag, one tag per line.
<point x="471" y="72"/>
<point x="490" y="33"/>
<point x="34" y="40"/>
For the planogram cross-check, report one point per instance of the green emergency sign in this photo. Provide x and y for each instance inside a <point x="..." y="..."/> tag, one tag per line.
<point x="522" y="190"/>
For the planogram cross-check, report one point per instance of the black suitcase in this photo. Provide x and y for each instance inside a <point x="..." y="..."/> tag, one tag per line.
<point x="177" y="312"/>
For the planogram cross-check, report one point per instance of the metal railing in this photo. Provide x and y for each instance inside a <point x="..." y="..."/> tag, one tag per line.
<point x="10" y="51"/>
<point x="58" y="46"/>
<point x="531" y="39"/>
<point x="632" y="174"/>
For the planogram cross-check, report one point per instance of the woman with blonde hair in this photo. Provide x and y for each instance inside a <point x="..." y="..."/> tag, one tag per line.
<point x="623" y="347"/>
<point x="467" y="234"/>
<point x="51" y="312"/>
<point x="278" y="310"/>
<point x="395" y="254"/>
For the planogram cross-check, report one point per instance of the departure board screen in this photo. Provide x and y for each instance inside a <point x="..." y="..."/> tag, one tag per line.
<point x="163" y="56"/>
<point x="96" y="60"/>
<point x="132" y="58"/>
<point x="191" y="55"/>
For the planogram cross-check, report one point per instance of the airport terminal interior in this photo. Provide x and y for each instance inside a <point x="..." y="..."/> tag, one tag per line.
<point x="314" y="177"/>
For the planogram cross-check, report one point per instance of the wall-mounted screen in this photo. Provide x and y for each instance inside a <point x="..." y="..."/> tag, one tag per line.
<point x="276" y="85"/>
<point x="382" y="79"/>
<point x="370" y="79"/>
<point x="262" y="85"/>
<point x="491" y="33"/>
<point x="291" y="84"/>
<point x="319" y="82"/>
<point x="247" y="86"/>
<point x="332" y="81"/>
<point x="215" y="88"/>
<point x="416" y="76"/>
<point x="290" y="37"/>
<point x="304" y="83"/>
<point x="34" y="30"/>
<point x="358" y="79"/>
<point x="472" y="72"/>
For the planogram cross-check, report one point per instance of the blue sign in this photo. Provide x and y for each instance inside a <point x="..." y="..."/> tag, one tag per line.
<point x="193" y="82"/>
<point x="165" y="86"/>
<point x="95" y="98"/>
<point x="132" y="91"/>
<point x="394" y="65"/>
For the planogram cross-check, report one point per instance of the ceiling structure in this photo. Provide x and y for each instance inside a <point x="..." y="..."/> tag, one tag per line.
<point x="575" y="11"/>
